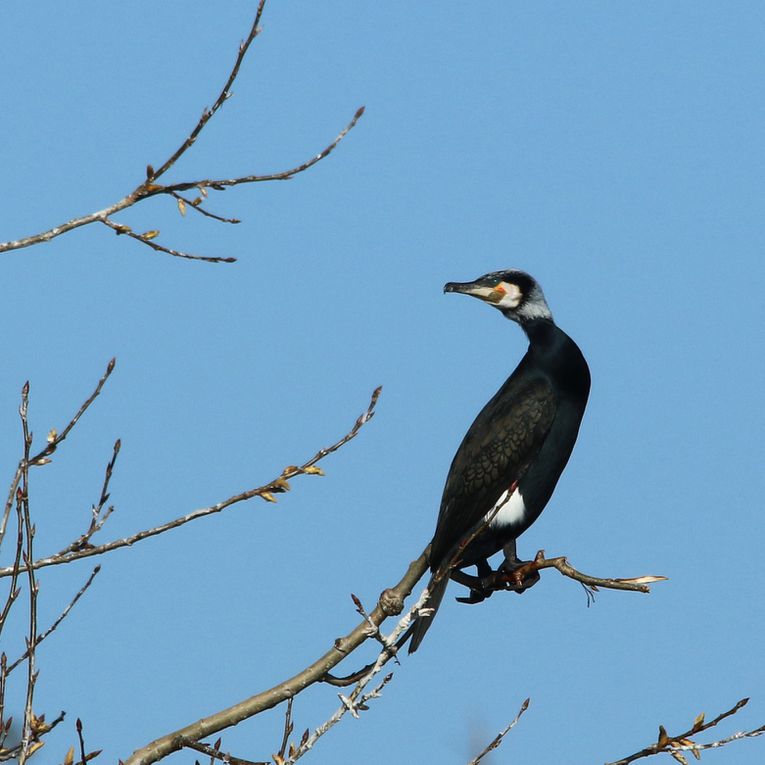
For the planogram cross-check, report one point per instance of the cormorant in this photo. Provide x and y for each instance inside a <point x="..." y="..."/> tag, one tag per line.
<point x="515" y="451"/>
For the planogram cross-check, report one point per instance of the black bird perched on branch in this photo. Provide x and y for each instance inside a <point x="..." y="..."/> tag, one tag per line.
<point x="513" y="454"/>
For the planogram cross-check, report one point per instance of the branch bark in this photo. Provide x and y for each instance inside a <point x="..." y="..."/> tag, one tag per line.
<point x="390" y="603"/>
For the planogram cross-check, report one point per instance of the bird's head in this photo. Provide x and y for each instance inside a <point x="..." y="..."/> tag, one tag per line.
<point x="515" y="293"/>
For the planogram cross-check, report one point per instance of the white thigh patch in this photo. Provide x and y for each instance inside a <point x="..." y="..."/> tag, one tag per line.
<point x="511" y="512"/>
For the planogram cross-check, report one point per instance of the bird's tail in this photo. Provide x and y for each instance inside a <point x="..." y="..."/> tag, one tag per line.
<point x="437" y="588"/>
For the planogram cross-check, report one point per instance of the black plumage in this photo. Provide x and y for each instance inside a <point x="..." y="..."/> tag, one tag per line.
<point x="516" y="449"/>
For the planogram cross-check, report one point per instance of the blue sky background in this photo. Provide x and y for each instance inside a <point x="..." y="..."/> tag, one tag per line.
<point x="613" y="150"/>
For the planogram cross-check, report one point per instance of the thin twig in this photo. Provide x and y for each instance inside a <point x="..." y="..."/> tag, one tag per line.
<point x="3" y="678"/>
<point x="373" y="632"/>
<point x="354" y="703"/>
<point x="60" y="618"/>
<point x="149" y="187"/>
<point x="288" y="728"/>
<point x="55" y="438"/>
<point x="391" y="602"/>
<point x="501" y="735"/>
<point x="148" y="240"/>
<point x="513" y="580"/>
<point x="374" y="629"/>
<point x="356" y="700"/>
<point x="267" y="492"/>
<point x="83" y="756"/>
<point x="635" y="584"/>
<point x="42" y="728"/>
<point x="21" y="476"/>
<point x="30" y="734"/>
<point x="223" y="96"/>
<point x="14" y="590"/>
<point x="216" y="754"/>
<point x="284" y="175"/>
<point x="104" y="498"/>
<point x="98" y="516"/>
<point x="196" y="205"/>
<point x="42" y="458"/>
<point x="723" y="741"/>
<point x="683" y="741"/>
<point x="501" y="581"/>
<point x="9" y="502"/>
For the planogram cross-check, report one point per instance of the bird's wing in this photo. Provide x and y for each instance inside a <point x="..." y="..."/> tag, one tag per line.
<point x="496" y="452"/>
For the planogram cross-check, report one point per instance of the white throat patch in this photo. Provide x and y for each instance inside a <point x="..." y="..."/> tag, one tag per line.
<point x="535" y="309"/>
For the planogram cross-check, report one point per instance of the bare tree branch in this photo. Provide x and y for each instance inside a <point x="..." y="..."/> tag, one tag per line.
<point x="14" y="590"/>
<point x="420" y="608"/>
<point x="81" y="739"/>
<point x="223" y="96"/>
<point x="354" y="703"/>
<point x="215" y="754"/>
<point x="4" y="726"/>
<point x="99" y="516"/>
<point x="284" y="175"/>
<point x="288" y="728"/>
<point x="636" y="584"/>
<point x="148" y="239"/>
<point x="41" y="728"/>
<point x="30" y="740"/>
<point x="54" y="437"/>
<point x="502" y="581"/>
<point x="84" y="758"/>
<point x="723" y="741"/>
<point x="150" y="188"/>
<point x="501" y="735"/>
<point x="675" y="745"/>
<point x="58" y="621"/>
<point x="266" y="492"/>
<point x="390" y="603"/>
<point x="9" y="502"/>
<point x="196" y="205"/>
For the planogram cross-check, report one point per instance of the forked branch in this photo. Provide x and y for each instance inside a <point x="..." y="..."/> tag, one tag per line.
<point x="267" y="492"/>
<point x="503" y="581"/>
<point x="390" y="603"/>
<point x="683" y="742"/>
<point x="151" y="187"/>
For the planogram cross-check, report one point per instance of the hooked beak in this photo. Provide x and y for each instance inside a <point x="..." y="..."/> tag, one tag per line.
<point x="475" y="289"/>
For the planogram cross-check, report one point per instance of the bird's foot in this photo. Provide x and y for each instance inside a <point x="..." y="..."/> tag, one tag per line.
<point x="480" y="586"/>
<point x="514" y="574"/>
<point x="476" y="596"/>
<point x="517" y="575"/>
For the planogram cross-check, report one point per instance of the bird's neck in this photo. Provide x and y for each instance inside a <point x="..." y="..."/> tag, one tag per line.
<point x="553" y="351"/>
<point x="541" y="332"/>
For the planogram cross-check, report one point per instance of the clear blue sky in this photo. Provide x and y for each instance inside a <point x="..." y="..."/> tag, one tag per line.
<point x="613" y="150"/>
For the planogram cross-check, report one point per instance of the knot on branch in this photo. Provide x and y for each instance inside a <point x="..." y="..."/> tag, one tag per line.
<point x="391" y="603"/>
